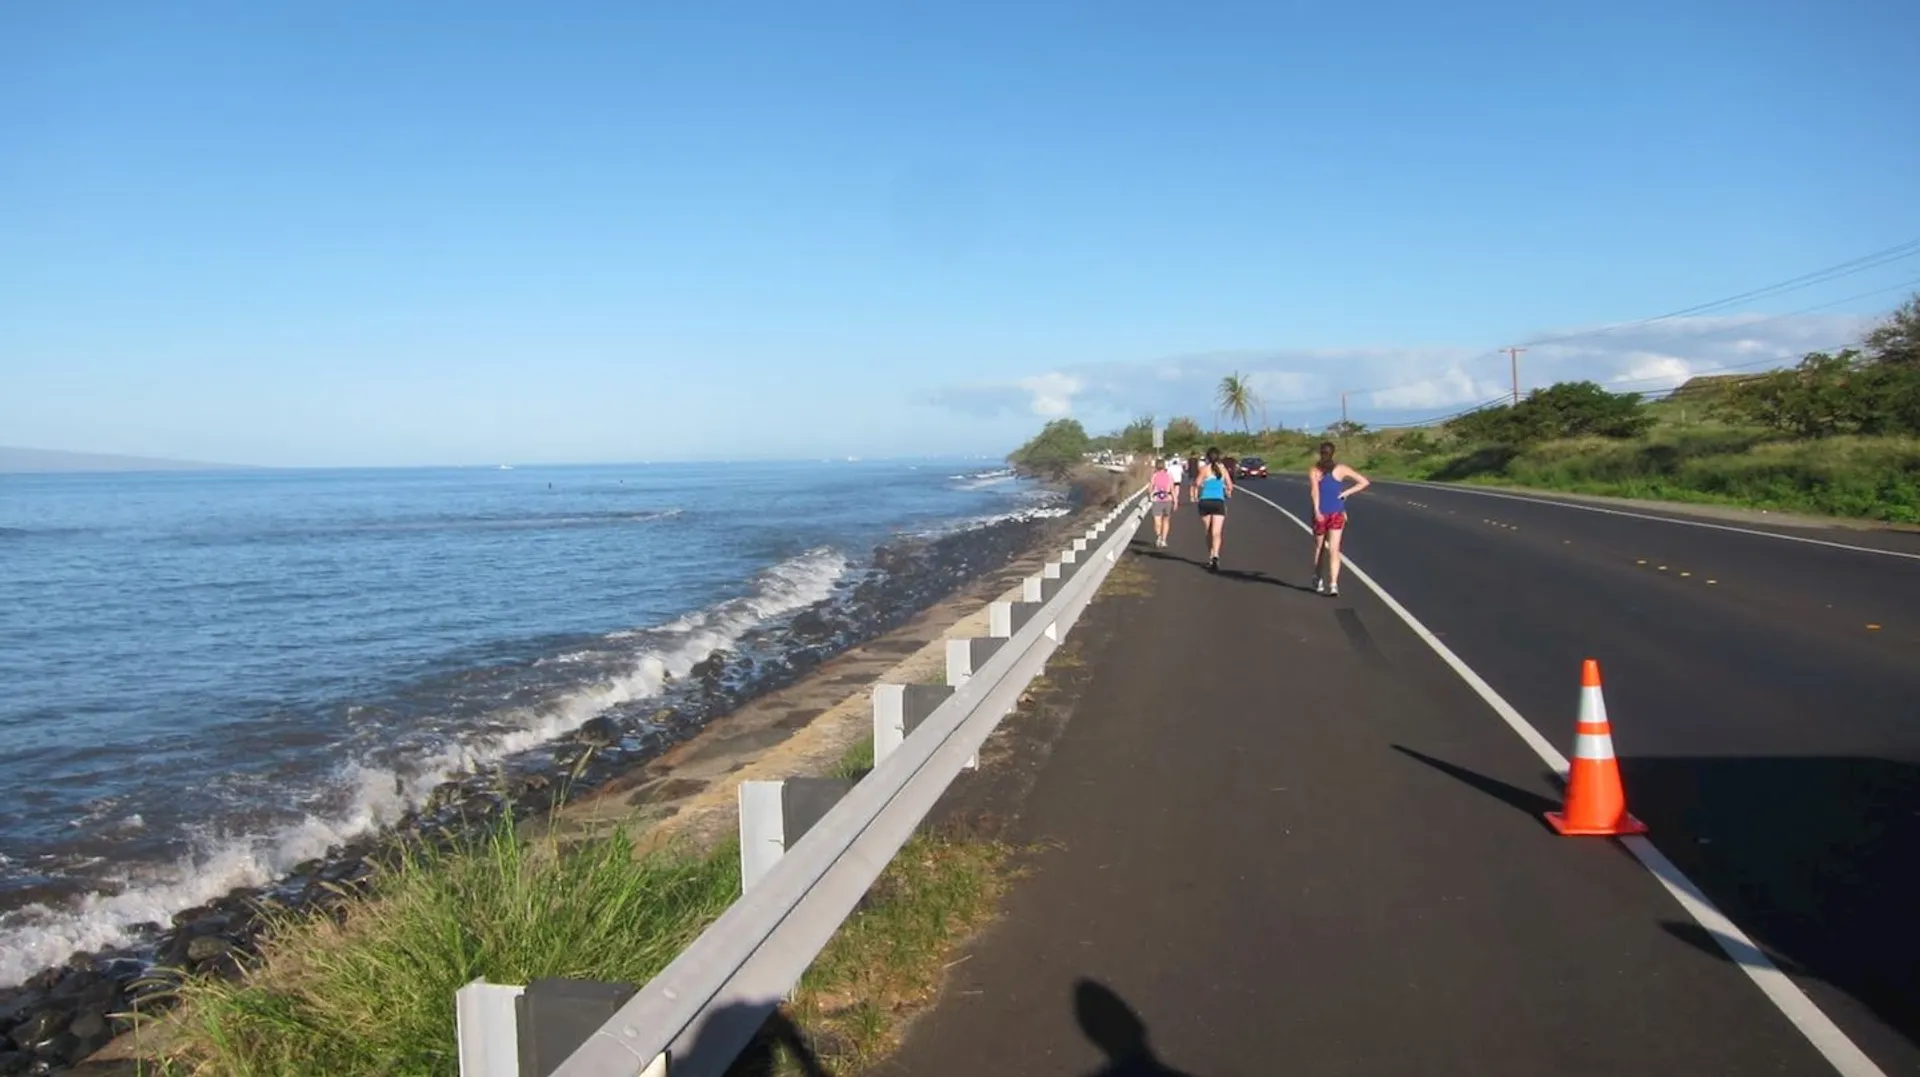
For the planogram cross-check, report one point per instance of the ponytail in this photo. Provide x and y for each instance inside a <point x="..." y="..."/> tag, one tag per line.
<point x="1326" y="458"/>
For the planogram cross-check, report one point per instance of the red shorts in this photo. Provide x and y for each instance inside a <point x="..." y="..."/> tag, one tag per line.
<point x="1336" y="521"/>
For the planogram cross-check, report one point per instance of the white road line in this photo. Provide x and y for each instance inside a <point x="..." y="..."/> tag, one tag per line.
<point x="1826" y="1037"/>
<point x="1647" y="516"/>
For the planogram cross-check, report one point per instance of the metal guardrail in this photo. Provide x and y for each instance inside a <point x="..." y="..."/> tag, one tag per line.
<point x="702" y="1010"/>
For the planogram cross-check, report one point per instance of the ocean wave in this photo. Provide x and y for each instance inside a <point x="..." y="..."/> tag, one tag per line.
<point x="975" y="523"/>
<point x="981" y="480"/>
<point x="36" y="936"/>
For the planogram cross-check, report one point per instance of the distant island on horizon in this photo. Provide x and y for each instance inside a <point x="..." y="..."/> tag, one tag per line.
<point x="21" y="461"/>
<point x="17" y="460"/>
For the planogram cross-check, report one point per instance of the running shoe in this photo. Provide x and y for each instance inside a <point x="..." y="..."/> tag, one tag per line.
<point x="1319" y="586"/>
<point x="1213" y="564"/>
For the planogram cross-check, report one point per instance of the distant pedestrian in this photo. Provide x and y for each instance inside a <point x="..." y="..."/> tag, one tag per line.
<point x="1191" y="474"/>
<point x="1212" y="486"/>
<point x="1165" y="494"/>
<point x="1325" y="479"/>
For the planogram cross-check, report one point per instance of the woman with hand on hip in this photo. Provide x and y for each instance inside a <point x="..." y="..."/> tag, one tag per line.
<point x="1165" y="498"/>
<point x="1326" y="480"/>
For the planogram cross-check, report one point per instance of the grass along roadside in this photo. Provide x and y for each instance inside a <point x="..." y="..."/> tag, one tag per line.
<point x="370" y="994"/>
<point x="371" y="991"/>
<point x="1679" y="460"/>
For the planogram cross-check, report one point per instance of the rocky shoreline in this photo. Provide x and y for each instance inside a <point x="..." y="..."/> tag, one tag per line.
<point x="64" y="1014"/>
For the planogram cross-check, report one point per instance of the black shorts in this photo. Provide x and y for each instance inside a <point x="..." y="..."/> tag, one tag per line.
<point x="1213" y="507"/>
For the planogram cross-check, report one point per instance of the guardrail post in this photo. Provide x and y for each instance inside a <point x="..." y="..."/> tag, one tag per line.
<point x="774" y="815"/>
<point x="963" y="657"/>
<point x="1052" y="575"/>
<point x="898" y="710"/>
<point x="1019" y="613"/>
<point x="1000" y="619"/>
<point x="763" y="831"/>
<point x="557" y="1016"/>
<point x="512" y="1031"/>
<point x="487" y="1029"/>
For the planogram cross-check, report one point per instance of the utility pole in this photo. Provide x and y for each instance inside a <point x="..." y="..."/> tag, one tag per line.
<point x="1343" y="409"/>
<point x="1514" y="354"/>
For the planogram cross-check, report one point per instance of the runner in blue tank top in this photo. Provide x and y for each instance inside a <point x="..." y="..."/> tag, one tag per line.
<point x="1326" y="480"/>
<point x="1212" y="486"/>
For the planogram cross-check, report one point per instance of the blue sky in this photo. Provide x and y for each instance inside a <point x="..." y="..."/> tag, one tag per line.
<point x="376" y="233"/>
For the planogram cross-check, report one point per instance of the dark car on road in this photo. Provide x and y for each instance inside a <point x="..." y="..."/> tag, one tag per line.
<point x="1251" y="467"/>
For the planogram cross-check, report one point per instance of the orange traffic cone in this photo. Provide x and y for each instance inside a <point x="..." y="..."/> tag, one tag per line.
<point x="1596" y="803"/>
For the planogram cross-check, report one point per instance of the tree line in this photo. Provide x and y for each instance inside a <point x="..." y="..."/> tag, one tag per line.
<point x="1873" y="389"/>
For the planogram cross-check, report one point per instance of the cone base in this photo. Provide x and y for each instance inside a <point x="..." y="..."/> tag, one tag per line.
<point x="1626" y="824"/>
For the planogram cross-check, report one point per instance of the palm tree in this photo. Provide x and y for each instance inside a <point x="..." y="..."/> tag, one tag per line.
<point x="1237" y="399"/>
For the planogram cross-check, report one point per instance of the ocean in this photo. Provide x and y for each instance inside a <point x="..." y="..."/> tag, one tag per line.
<point x="209" y="678"/>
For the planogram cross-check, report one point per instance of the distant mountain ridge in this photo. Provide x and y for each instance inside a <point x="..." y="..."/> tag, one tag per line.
<point x="33" y="461"/>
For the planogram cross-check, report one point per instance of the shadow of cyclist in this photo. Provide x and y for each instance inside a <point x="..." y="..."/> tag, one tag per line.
<point x="1112" y="1026"/>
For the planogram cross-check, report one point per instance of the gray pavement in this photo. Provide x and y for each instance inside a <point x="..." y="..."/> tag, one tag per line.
<point x="1281" y="835"/>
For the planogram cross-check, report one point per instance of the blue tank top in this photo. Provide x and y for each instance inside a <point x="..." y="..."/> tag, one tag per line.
<point x="1213" y="489"/>
<point x="1330" y="499"/>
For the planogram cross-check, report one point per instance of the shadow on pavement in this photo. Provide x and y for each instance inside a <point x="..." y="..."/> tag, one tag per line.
<point x="761" y="1057"/>
<point x="1240" y="574"/>
<point x="1112" y="1026"/>
<point x="1816" y="858"/>
<point x="1529" y="802"/>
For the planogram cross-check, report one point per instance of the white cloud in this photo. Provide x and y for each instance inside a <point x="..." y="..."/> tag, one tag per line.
<point x="1651" y="372"/>
<point x="1280" y="385"/>
<point x="1302" y="387"/>
<point x="1454" y="387"/>
<point x="1052" y="393"/>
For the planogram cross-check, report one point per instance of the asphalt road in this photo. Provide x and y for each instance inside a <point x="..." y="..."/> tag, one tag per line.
<point x="1280" y="836"/>
<point x="1765" y="695"/>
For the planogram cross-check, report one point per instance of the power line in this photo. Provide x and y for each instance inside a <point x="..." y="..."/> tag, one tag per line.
<point x="1878" y="258"/>
<point x="1888" y="256"/>
<point x="1840" y="270"/>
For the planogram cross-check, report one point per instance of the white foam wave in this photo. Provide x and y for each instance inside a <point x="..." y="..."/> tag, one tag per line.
<point x="981" y="480"/>
<point x="567" y="659"/>
<point x="36" y="936"/>
<point x="975" y="523"/>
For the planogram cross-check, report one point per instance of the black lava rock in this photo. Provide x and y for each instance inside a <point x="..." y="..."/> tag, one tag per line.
<point x="205" y="948"/>
<point x="58" y="1048"/>
<point x="599" y="732"/>
<point x="17" y="1005"/>
<point x="44" y="1025"/>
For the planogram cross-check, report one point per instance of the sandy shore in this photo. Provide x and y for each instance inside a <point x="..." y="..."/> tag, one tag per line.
<point x="689" y="792"/>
